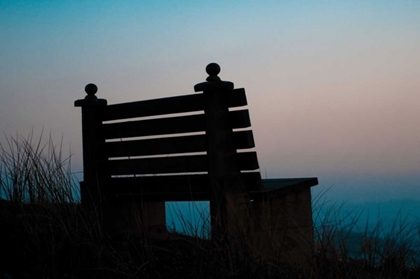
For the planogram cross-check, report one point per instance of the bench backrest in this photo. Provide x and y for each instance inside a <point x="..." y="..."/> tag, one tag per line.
<point x="168" y="149"/>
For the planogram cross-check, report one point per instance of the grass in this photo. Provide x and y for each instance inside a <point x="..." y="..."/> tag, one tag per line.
<point x="349" y="249"/>
<point x="45" y="234"/>
<point x="35" y="172"/>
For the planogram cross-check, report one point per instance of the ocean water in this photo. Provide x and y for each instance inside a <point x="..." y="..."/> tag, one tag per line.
<point x="191" y="218"/>
<point x="387" y="215"/>
<point x="392" y="222"/>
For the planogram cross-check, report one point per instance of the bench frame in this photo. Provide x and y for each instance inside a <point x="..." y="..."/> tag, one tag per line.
<point x="116" y="172"/>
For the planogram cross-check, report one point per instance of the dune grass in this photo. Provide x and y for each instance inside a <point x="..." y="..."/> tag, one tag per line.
<point x="45" y="234"/>
<point x="348" y="248"/>
<point x="34" y="171"/>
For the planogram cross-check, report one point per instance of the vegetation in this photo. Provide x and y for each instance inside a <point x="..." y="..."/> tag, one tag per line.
<point x="45" y="234"/>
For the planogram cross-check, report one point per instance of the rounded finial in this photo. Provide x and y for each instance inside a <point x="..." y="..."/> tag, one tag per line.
<point x="91" y="89"/>
<point x="213" y="69"/>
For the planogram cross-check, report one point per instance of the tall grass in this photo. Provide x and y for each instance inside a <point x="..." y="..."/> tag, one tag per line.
<point x="45" y="234"/>
<point x="33" y="171"/>
<point x="345" y="247"/>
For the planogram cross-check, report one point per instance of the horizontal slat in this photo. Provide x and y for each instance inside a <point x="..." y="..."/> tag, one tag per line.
<point x="174" y="188"/>
<point x="161" y="184"/>
<point x="161" y="197"/>
<point x="162" y="126"/>
<point x="247" y="161"/>
<point x="243" y="139"/>
<point x="237" y="98"/>
<point x="178" y="164"/>
<point x="178" y="104"/>
<point x="156" y="188"/>
<point x="239" y="119"/>
<point x="158" y="146"/>
<point x="172" y="125"/>
<point x="184" y="144"/>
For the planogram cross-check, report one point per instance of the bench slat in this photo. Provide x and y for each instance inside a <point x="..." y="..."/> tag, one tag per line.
<point x="183" y="144"/>
<point x="243" y="139"/>
<point x="173" y="187"/>
<point x="178" y="164"/>
<point x="239" y="119"/>
<point x="162" y="126"/>
<point x="247" y="161"/>
<point x="178" y="104"/>
<point x="172" y="125"/>
<point x="164" y="197"/>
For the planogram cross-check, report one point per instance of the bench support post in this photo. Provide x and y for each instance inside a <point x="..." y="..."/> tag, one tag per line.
<point x="92" y="195"/>
<point x="223" y="169"/>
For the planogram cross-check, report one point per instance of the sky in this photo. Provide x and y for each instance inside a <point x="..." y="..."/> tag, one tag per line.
<point x="333" y="86"/>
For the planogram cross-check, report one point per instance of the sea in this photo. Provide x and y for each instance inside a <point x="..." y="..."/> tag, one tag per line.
<point x="389" y="225"/>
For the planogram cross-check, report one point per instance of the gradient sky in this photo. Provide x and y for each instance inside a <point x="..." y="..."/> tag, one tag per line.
<point x="333" y="86"/>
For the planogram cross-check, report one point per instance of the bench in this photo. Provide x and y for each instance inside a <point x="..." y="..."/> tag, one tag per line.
<point x="195" y="147"/>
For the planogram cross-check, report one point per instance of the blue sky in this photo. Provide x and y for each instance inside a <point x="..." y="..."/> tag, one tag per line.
<point x="333" y="86"/>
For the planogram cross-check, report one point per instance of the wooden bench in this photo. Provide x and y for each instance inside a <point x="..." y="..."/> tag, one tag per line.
<point x="195" y="147"/>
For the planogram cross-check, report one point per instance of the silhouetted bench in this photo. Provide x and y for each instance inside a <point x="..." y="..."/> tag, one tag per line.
<point x="182" y="148"/>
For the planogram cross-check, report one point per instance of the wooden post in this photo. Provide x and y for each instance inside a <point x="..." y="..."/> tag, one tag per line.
<point x="91" y="192"/>
<point x="223" y="170"/>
